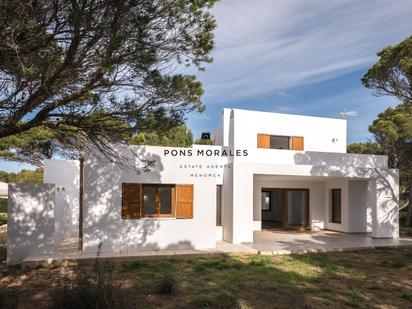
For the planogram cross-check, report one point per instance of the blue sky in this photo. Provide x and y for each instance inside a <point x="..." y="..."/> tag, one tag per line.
<point x="294" y="56"/>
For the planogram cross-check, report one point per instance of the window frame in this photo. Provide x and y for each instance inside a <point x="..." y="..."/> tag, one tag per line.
<point x="176" y="211"/>
<point x="172" y="214"/>
<point x="333" y="206"/>
<point x="281" y="136"/>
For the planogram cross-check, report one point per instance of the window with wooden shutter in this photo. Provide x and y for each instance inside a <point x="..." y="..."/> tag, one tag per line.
<point x="263" y="141"/>
<point x="130" y="200"/>
<point x="158" y="200"/>
<point x="297" y="143"/>
<point x="184" y="201"/>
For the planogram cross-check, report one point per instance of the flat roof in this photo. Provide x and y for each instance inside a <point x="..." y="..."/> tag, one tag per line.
<point x="283" y="114"/>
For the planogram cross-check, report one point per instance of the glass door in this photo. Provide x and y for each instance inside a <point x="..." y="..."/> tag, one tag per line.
<point x="296" y="208"/>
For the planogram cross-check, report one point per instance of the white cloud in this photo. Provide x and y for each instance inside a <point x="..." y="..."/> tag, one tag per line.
<point x="265" y="47"/>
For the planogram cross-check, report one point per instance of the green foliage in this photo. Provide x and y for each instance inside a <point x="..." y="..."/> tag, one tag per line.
<point x="98" y="72"/>
<point x="24" y="176"/>
<point x="168" y="284"/>
<point x="178" y="136"/>
<point x="31" y="146"/>
<point x="392" y="74"/>
<point x="202" y="141"/>
<point x="392" y="134"/>
<point x="3" y="218"/>
<point x="392" y="130"/>
<point x="3" y="205"/>
<point x="364" y="148"/>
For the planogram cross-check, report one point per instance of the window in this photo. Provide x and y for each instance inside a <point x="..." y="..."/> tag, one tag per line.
<point x="218" y="205"/>
<point x="336" y="205"/>
<point x="280" y="142"/>
<point x="266" y="201"/>
<point x="156" y="200"/>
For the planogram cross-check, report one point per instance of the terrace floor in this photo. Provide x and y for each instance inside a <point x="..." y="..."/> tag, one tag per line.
<point x="266" y="242"/>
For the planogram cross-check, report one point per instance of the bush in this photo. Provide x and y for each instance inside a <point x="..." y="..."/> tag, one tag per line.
<point x="89" y="291"/>
<point x="3" y="218"/>
<point x="3" y="205"/>
<point x="168" y="284"/>
<point x="8" y="298"/>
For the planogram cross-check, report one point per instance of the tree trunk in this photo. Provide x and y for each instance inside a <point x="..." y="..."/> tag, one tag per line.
<point x="409" y="217"/>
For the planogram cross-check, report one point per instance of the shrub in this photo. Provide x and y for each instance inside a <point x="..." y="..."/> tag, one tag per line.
<point x="8" y="298"/>
<point x="168" y="284"/>
<point x="3" y="205"/>
<point x="134" y="265"/>
<point x="89" y="291"/>
<point x="3" y="218"/>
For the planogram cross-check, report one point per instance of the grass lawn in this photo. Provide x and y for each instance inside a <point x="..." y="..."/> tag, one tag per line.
<point x="375" y="278"/>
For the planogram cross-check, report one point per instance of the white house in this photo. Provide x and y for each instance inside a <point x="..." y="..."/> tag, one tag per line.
<point x="266" y="170"/>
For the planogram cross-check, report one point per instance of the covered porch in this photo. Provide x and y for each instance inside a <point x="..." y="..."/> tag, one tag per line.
<point x="292" y="203"/>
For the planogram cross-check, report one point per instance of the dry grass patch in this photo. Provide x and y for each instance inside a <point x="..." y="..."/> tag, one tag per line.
<point x="376" y="278"/>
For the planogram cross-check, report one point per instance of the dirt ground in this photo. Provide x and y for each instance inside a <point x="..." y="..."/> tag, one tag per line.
<point x="375" y="278"/>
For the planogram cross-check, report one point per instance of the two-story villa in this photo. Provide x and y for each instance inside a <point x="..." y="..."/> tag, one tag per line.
<point x="265" y="171"/>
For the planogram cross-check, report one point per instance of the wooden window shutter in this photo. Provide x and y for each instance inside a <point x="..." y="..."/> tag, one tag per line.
<point x="297" y="143"/>
<point x="130" y="200"/>
<point x="184" y="201"/>
<point x="263" y="141"/>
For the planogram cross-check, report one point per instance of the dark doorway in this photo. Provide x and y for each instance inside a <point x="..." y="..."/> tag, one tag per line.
<point x="285" y="208"/>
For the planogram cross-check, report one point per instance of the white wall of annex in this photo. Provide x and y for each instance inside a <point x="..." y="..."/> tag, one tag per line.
<point x="30" y="226"/>
<point x="65" y="175"/>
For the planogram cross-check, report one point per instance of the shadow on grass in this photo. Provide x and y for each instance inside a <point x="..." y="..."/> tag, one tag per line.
<point x="315" y="280"/>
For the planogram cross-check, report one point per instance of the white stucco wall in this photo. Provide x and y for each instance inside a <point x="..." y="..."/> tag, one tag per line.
<point x="320" y="134"/>
<point x="359" y="209"/>
<point x="102" y="203"/>
<point x="30" y="226"/>
<point x="65" y="174"/>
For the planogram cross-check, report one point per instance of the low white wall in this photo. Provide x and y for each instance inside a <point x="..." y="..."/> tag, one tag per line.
<point x="30" y="226"/>
<point x="65" y="175"/>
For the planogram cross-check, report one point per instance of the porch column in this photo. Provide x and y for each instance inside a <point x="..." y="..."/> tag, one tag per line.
<point x="242" y="204"/>
<point x="385" y="209"/>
